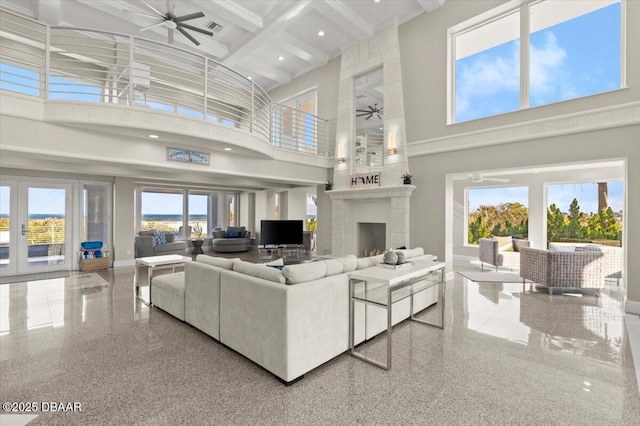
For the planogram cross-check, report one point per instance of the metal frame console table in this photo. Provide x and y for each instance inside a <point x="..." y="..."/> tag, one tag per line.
<point x="382" y="287"/>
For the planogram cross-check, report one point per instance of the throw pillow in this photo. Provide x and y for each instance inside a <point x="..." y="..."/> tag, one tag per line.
<point x="160" y="238"/>
<point x="232" y="234"/>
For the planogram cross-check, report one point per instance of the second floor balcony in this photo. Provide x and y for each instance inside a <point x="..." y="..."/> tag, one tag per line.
<point x="99" y="68"/>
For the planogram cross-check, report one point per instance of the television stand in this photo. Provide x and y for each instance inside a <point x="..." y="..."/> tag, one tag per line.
<point x="287" y="252"/>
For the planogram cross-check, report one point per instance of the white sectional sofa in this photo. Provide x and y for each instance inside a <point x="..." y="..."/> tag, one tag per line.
<point x="288" y="321"/>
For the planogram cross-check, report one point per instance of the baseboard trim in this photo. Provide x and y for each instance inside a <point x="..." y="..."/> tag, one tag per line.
<point x="124" y="263"/>
<point x="632" y="307"/>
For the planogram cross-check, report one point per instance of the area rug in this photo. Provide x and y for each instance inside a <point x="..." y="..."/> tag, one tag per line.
<point x="491" y="277"/>
<point x="32" y="277"/>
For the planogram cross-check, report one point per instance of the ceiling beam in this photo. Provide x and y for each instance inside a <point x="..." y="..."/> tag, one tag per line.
<point x="431" y="5"/>
<point x="301" y="49"/>
<point x="343" y="16"/>
<point x="265" y="71"/>
<point x="286" y="15"/>
<point x="232" y="12"/>
<point x="49" y="11"/>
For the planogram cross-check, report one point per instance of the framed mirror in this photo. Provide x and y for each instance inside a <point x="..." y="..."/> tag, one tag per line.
<point x="369" y="121"/>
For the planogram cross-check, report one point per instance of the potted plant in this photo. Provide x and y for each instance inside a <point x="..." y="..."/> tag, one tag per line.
<point x="407" y="178"/>
<point x="328" y="186"/>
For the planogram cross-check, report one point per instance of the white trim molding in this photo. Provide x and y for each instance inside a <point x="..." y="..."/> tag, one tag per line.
<point x="632" y="307"/>
<point x="584" y="121"/>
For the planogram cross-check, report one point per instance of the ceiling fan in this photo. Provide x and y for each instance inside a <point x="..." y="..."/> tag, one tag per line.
<point x="480" y="179"/>
<point x="369" y="112"/>
<point x="173" y="22"/>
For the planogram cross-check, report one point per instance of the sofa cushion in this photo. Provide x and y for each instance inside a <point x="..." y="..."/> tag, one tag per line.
<point x="518" y="244"/>
<point x="414" y="252"/>
<point x="350" y="263"/>
<point x="170" y="247"/>
<point x="218" y="233"/>
<point x="259" y="271"/>
<point x="235" y="232"/>
<point x="505" y="243"/>
<point x="173" y="283"/>
<point x="149" y="233"/>
<point x="564" y="248"/>
<point x="304" y="272"/>
<point x="365" y="262"/>
<point x="220" y="262"/>
<point x="334" y="267"/>
<point x="159" y="238"/>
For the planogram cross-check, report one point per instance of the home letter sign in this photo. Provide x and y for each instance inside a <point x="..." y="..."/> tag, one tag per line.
<point x="365" y="180"/>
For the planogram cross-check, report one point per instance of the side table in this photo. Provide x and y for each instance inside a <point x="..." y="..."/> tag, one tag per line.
<point x="153" y="263"/>
<point x="197" y="246"/>
<point x="381" y="287"/>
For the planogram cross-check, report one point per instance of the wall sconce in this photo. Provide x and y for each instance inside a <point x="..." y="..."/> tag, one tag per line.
<point x="391" y="145"/>
<point x="340" y="155"/>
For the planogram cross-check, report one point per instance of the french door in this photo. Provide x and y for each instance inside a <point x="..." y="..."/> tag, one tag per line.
<point x="35" y="226"/>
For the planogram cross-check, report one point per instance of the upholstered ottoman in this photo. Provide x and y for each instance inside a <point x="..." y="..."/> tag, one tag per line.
<point x="168" y="293"/>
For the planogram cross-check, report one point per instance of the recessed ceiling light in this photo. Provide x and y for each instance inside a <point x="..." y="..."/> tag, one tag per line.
<point x="321" y="33"/>
<point x="376" y="1"/>
<point x="228" y="149"/>
<point x="250" y="78"/>
<point x="154" y="136"/>
<point x="281" y="58"/>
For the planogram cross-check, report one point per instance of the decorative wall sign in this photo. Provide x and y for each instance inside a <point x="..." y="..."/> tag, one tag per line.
<point x="188" y="156"/>
<point x="365" y="180"/>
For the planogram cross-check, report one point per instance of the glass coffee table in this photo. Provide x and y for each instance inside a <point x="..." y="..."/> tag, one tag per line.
<point x="154" y="263"/>
<point x="382" y="287"/>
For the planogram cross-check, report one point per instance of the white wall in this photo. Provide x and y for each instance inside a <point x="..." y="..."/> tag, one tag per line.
<point x="123" y="221"/>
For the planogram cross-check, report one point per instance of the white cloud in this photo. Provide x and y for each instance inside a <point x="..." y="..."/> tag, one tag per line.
<point x="547" y="63"/>
<point x="487" y="76"/>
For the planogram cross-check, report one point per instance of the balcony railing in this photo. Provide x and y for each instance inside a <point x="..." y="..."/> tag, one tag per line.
<point x="98" y="66"/>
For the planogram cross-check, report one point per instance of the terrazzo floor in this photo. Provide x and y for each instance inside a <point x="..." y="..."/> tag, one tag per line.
<point x="504" y="357"/>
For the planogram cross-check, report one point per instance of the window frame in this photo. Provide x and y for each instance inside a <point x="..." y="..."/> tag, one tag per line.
<point x="525" y="63"/>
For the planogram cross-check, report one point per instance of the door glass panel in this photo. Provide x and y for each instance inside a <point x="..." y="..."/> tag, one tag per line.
<point x="5" y="221"/>
<point x="198" y="216"/>
<point x="97" y="213"/>
<point x="46" y="226"/>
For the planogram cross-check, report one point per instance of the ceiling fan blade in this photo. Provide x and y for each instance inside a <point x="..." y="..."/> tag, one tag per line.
<point x="363" y="110"/>
<point x="187" y="35"/>
<point x="372" y="108"/>
<point x="192" y="28"/>
<point x="148" y="27"/>
<point x="153" y="8"/>
<point x="170" y="35"/>
<point x="379" y="116"/>
<point x="188" y="17"/>
<point x="370" y="115"/>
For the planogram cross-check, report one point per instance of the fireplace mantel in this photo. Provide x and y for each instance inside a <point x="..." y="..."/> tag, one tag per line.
<point x="366" y="193"/>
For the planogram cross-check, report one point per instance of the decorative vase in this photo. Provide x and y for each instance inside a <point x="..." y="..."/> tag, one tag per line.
<point x="401" y="258"/>
<point x="407" y="181"/>
<point x="390" y="257"/>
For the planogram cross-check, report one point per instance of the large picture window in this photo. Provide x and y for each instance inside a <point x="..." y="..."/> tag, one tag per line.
<point x="497" y="212"/>
<point x="573" y="49"/>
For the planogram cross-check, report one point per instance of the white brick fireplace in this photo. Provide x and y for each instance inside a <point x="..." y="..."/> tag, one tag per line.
<point x="386" y="204"/>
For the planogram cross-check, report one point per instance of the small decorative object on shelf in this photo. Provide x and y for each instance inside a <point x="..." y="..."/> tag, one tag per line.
<point x="401" y="258"/>
<point x="390" y="257"/>
<point x="407" y="178"/>
<point x="328" y="186"/>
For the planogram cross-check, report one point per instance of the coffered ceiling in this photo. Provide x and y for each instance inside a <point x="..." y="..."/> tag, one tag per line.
<point x="253" y="35"/>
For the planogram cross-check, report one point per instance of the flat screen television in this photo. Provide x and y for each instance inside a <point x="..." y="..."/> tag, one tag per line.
<point x="280" y="232"/>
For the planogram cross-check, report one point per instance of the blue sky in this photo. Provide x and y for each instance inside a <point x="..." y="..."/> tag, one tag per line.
<point x="559" y="194"/>
<point x="572" y="59"/>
